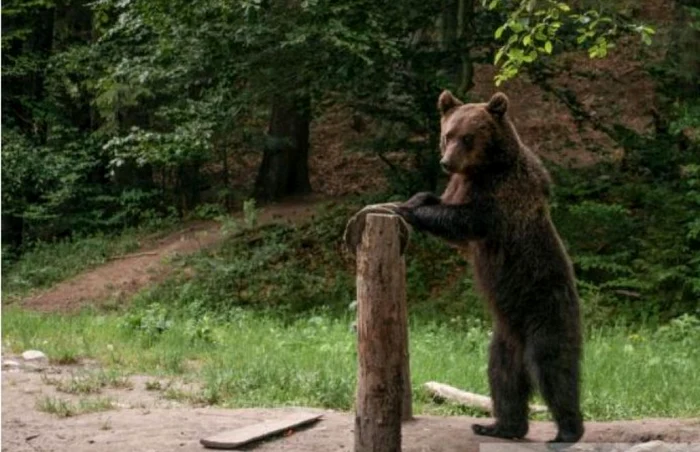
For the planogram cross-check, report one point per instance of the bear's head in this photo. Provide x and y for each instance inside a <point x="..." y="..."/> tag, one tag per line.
<point x="471" y="135"/>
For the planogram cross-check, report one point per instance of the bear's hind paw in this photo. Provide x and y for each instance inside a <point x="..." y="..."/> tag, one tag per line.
<point x="500" y="431"/>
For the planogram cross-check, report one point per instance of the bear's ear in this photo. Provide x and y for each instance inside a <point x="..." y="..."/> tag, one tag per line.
<point x="498" y="105"/>
<point x="447" y="102"/>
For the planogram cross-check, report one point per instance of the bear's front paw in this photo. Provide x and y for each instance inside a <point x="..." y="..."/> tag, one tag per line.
<point x="424" y="198"/>
<point x="406" y="213"/>
<point x="356" y="225"/>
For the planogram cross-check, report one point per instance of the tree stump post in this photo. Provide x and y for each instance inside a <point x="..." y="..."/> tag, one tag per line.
<point x="383" y="379"/>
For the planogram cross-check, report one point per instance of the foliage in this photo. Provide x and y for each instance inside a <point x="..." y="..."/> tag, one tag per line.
<point x="118" y="113"/>
<point x="124" y="111"/>
<point x="633" y="242"/>
<point x="533" y="27"/>
<point x="684" y="329"/>
<point x="150" y="322"/>
<point x="54" y="165"/>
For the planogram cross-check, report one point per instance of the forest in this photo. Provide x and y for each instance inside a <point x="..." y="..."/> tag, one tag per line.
<point x="120" y="113"/>
<point x="268" y="123"/>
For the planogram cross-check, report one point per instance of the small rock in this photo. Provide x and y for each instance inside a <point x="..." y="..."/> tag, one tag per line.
<point x="11" y="364"/>
<point x="34" y="355"/>
<point x="581" y="448"/>
<point x="651" y="446"/>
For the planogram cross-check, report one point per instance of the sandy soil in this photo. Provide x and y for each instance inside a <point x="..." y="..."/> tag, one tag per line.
<point x="143" y="420"/>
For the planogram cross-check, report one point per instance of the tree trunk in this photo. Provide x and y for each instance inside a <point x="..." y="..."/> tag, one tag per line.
<point x="465" y="38"/>
<point x="24" y="84"/>
<point x="456" y="35"/>
<point x="683" y="54"/>
<point x="284" y="170"/>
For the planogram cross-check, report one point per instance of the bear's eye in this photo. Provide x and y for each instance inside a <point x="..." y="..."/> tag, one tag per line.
<point x="468" y="140"/>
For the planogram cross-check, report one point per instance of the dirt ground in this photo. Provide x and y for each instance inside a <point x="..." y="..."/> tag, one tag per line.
<point x="143" y="420"/>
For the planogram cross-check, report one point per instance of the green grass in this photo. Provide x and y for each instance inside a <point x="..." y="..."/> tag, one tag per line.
<point x="90" y="382"/>
<point x="65" y="408"/>
<point x="258" y="359"/>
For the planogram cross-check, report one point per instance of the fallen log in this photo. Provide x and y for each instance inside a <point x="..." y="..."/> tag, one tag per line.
<point x="483" y="403"/>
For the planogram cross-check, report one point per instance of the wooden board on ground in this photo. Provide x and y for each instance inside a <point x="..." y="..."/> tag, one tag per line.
<point x="256" y="432"/>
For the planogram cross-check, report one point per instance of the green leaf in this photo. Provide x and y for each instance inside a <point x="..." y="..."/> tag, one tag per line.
<point x="493" y="4"/>
<point x="548" y="46"/>
<point x="603" y="51"/>
<point x="499" y="55"/>
<point x="527" y="40"/>
<point x="646" y="39"/>
<point x="516" y="26"/>
<point x="564" y="7"/>
<point x="499" y="31"/>
<point x="530" y="57"/>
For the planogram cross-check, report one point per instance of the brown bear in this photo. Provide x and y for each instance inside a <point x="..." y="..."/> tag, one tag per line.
<point x="496" y="208"/>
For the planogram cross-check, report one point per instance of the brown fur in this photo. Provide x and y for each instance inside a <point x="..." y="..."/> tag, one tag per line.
<point x="495" y="207"/>
<point x="457" y="192"/>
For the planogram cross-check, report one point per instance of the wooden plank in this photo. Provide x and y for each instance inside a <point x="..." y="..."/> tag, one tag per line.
<point x="259" y="431"/>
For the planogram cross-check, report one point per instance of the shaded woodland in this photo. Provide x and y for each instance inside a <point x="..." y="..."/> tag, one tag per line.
<point x="116" y="113"/>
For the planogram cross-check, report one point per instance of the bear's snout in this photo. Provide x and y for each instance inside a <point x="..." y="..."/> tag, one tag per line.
<point x="447" y="166"/>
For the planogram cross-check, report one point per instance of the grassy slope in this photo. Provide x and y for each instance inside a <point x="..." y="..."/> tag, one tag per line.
<point x="49" y="263"/>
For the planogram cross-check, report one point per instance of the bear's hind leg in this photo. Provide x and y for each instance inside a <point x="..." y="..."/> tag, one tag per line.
<point x="555" y="369"/>
<point x="510" y="391"/>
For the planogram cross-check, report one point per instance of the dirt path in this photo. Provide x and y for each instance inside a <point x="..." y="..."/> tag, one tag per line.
<point x="122" y="277"/>
<point x="143" y="420"/>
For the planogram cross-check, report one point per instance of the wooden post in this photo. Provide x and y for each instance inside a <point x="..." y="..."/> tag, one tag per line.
<point x="383" y="381"/>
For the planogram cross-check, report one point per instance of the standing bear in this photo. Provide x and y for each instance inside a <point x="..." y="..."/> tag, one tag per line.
<point x="495" y="207"/>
